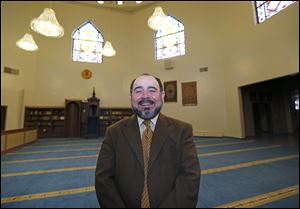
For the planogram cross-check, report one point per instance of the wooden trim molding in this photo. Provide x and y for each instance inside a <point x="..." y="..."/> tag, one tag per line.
<point x="14" y="139"/>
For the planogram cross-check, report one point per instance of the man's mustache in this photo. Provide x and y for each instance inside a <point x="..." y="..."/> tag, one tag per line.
<point x="146" y="100"/>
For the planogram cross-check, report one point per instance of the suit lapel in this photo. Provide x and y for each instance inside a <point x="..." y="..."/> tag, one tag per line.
<point x="132" y="133"/>
<point x="161" y="132"/>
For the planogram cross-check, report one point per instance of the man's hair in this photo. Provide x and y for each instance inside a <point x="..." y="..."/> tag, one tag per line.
<point x="147" y="74"/>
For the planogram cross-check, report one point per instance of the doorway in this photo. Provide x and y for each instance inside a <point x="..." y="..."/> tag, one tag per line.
<point x="262" y="119"/>
<point x="271" y="108"/>
<point x="3" y="117"/>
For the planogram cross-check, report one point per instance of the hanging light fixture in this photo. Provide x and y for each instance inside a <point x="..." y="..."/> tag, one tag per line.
<point x="47" y="24"/>
<point x="108" y="50"/>
<point x="27" y="43"/>
<point x="157" y="19"/>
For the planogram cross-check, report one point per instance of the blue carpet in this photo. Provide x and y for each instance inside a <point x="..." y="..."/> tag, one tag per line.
<point x="52" y="147"/>
<point x="215" y="188"/>
<point x="289" y="202"/>
<point x="220" y="188"/>
<point x="21" y="167"/>
<point x="50" y="155"/>
<point x="31" y="184"/>
<point x="83" y="200"/>
<point x="235" y="158"/>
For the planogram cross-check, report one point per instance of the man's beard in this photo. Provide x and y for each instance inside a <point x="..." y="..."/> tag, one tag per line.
<point x="146" y="114"/>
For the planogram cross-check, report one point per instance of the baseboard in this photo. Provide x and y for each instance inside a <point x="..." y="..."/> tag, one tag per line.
<point x="208" y="133"/>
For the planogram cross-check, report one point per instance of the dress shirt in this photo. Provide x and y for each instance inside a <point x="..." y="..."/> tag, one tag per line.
<point x="142" y="125"/>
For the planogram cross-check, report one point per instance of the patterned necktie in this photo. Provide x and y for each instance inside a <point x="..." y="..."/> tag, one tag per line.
<point x="146" y="144"/>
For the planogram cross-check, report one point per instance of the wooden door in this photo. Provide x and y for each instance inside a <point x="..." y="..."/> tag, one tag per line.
<point x="72" y="118"/>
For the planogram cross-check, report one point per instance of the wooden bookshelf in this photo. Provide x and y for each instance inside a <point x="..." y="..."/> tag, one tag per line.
<point x="50" y="121"/>
<point x="109" y="116"/>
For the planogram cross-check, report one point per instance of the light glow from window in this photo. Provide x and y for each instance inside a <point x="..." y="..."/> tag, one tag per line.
<point x="266" y="9"/>
<point x="87" y="44"/>
<point x="170" y="41"/>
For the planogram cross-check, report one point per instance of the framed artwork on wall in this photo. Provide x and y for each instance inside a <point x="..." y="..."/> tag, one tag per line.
<point x="170" y="88"/>
<point x="189" y="93"/>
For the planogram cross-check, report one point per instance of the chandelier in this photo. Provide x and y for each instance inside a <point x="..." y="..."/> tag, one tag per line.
<point x="27" y="43"/>
<point x="47" y="24"/>
<point x="108" y="50"/>
<point x="158" y="19"/>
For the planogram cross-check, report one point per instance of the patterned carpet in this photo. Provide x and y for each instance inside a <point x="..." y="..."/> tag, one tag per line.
<point x="59" y="173"/>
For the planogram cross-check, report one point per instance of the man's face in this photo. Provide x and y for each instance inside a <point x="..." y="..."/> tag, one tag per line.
<point x="146" y="97"/>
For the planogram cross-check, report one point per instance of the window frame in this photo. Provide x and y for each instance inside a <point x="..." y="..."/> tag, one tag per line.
<point x="178" y="44"/>
<point x="100" y="40"/>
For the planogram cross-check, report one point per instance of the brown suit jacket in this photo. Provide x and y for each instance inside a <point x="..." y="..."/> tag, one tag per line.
<point x="174" y="170"/>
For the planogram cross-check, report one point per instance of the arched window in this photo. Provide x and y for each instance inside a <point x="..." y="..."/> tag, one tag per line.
<point x="169" y="41"/>
<point x="87" y="43"/>
<point x="266" y="9"/>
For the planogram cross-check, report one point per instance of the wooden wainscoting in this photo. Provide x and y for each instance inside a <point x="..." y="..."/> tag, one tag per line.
<point x="14" y="139"/>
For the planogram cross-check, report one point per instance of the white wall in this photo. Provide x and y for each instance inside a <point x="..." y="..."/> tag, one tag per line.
<point x="254" y="53"/>
<point x="16" y="90"/>
<point x="202" y="50"/>
<point x="219" y="35"/>
<point x="13" y="99"/>
<point x="59" y="78"/>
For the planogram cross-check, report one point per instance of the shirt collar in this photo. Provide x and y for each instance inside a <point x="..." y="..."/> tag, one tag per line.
<point x="153" y="120"/>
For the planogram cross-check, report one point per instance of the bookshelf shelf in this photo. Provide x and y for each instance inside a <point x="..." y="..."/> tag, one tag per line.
<point x="109" y="116"/>
<point x="50" y="121"/>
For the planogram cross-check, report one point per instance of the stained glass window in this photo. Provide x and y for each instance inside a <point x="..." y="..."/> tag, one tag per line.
<point x="266" y="9"/>
<point x="169" y="41"/>
<point x="87" y="43"/>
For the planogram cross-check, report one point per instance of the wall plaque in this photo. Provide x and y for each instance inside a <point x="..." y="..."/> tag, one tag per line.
<point x="170" y="88"/>
<point x="189" y="93"/>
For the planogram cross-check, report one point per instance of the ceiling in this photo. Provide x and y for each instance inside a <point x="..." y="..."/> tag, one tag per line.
<point x="128" y="6"/>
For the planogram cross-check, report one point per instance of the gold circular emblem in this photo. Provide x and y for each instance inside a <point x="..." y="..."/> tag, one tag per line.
<point x="86" y="74"/>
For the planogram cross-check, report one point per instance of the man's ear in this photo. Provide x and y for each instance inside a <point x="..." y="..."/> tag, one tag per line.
<point x="163" y="94"/>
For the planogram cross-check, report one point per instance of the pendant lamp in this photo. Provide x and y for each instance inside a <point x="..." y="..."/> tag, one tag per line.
<point x="108" y="50"/>
<point x="47" y="24"/>
<point x="157" y="19"/>
<point x="27" y="43"/>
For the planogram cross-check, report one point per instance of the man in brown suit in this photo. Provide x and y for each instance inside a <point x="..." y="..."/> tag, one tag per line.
<point x="169" y="177"/>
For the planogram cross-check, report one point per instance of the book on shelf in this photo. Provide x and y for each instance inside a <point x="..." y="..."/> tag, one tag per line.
<point x="49" y="120"/>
